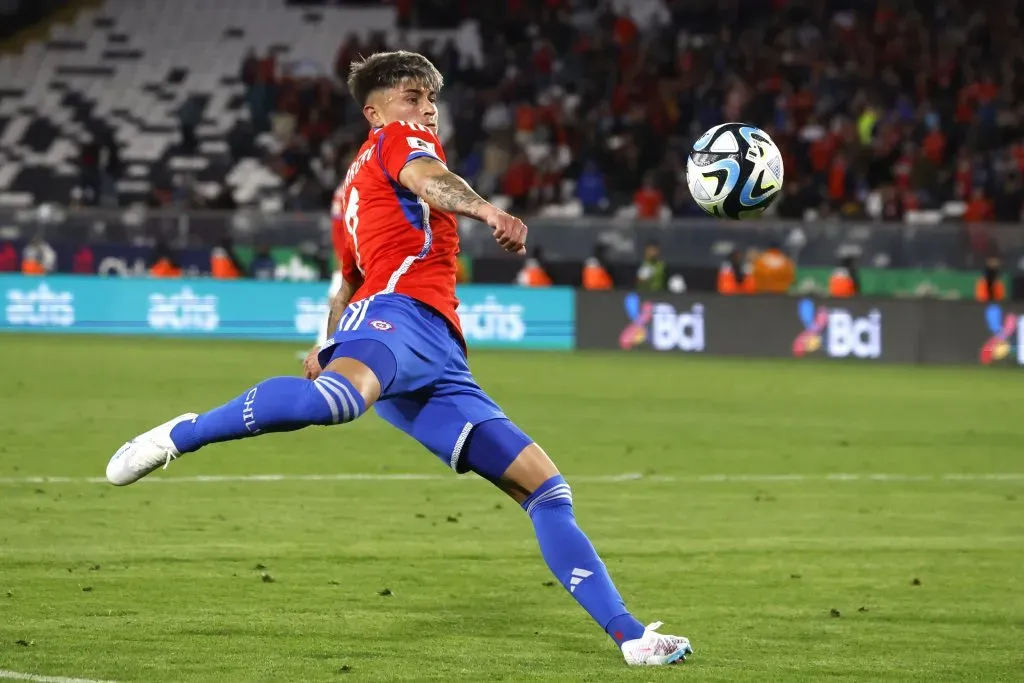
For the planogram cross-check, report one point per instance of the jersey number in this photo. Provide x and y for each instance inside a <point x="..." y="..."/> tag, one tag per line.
<point x="352" y="223"/>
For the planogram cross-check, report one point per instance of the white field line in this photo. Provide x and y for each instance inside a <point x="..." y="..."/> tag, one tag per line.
<point x="19" y="676"/>
<point x="594" y="479"/>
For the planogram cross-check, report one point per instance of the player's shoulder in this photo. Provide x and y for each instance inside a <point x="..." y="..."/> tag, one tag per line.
<point x="414" y="135"/>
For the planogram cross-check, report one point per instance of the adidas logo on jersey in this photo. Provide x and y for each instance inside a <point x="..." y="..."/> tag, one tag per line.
<point x="577" y="578"/>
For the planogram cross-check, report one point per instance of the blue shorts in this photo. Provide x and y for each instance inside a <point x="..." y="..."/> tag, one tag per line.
<point x="433" y="396"/>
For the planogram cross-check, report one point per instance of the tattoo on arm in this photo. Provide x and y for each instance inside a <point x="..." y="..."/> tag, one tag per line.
<point x="449" y="192"/>
<point x="338" y="305"/>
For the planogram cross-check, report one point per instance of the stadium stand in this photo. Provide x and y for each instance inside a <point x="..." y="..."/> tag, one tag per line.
<point x="887" y="110"/>
<point x="137" y="92"/>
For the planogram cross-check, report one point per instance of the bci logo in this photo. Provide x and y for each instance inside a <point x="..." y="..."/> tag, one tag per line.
<point x="838" y="332"/>
<point x="1007" y="332"/>
<point x="665" y="327"/>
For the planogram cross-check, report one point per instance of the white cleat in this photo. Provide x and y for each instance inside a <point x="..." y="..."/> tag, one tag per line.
<point x="144" y="453"/>
<point x="655" y="649"/>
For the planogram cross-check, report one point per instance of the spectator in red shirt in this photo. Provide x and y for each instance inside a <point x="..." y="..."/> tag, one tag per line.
<point x="8" y="258"/>
<point x="837" y="181"/>
<point x="934" y="146"/>
<point x="648" y="200"/>
<point x="963" y="176"/>
<point x="84" y="261"/>
<point x="979" y="207"/>
<point x="519" y="181"/>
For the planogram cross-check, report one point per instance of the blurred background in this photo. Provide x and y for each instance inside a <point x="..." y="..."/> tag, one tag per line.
<point x="202" y="137"/>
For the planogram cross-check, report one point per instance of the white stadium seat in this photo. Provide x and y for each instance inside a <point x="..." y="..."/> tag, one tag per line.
<point x="112" y="64"/>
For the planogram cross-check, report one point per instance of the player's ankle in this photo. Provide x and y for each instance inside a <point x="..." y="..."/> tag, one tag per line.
<point x="624" y="628"/>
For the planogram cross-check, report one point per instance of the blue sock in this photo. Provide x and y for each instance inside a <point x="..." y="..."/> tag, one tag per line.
<point x="574" y="562"/>
<point x="278" y="404"/>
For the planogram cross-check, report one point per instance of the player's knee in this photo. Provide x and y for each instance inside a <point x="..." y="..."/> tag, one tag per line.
<point x="367" y="362"/>
<point x="333" y="399"/>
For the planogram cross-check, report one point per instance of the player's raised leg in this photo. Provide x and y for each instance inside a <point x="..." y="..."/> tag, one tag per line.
<point x="341" y="393"/>
<point x="502" y="453"/>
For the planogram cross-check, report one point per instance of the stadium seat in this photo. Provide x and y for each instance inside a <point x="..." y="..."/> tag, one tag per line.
<point x="131" y="64"/>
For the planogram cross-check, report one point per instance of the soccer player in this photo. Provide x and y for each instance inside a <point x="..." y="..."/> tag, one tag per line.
<point x="396" y="344"/>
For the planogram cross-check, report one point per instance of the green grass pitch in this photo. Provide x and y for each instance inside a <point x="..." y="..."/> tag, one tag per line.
<point x="739" y="531"/>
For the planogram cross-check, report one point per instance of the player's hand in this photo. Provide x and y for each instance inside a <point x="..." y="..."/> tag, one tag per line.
<point x="311" y="365"/>
<point x="509" y="231"/>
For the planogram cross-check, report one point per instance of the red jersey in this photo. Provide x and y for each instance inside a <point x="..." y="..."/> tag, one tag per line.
<point x="388" y="236"/>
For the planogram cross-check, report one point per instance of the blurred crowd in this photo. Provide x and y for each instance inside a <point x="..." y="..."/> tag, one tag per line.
<point x="589" y="107"/>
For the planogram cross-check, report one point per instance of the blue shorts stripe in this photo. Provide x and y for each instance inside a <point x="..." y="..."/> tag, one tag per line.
<point x="347" y="317"/>
<point x="354" y="315"/>
<point x="362" y="313"/>
<point x="459" y="443"/>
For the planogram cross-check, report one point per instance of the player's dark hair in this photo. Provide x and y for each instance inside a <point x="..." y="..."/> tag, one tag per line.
<point x="385" y="70"/>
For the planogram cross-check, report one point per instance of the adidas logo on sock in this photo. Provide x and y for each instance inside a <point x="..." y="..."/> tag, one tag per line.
<point x="577" y="578"/>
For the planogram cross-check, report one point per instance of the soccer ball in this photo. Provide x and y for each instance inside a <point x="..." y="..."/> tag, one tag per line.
<point x="734" y="171"/>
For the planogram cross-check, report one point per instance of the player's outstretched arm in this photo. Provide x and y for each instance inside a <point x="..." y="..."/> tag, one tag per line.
<point x="447" y="191"/>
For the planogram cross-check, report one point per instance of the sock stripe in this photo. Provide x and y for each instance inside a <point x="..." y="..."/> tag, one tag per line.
<point x="554" y="492"/>
<point x="340" y="392"/>
<point x="549" y="498"/>
<point x="561" y="491"/>
<point x="342" y="403"/>
<point x="353" y="404"/>
<point x="330" y="400"/>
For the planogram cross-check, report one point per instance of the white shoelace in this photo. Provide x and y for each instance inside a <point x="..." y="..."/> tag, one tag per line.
<point x="149" y="464"/>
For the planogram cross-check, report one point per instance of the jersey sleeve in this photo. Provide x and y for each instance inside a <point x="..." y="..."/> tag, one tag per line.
<point x="400" y="142"/>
